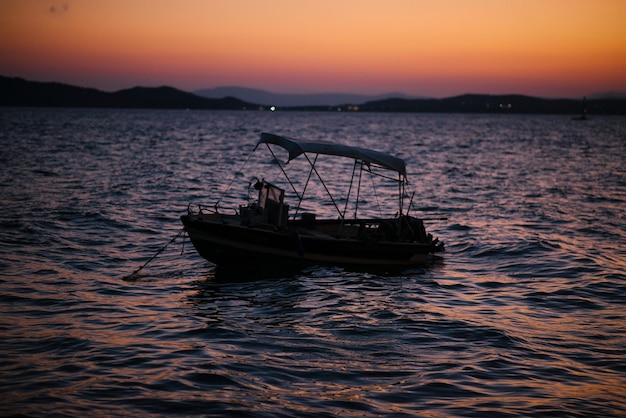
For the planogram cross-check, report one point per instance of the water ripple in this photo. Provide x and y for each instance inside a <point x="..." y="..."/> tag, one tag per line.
<point x="522" y="316"/>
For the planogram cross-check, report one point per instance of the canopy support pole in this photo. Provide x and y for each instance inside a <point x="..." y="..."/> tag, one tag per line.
<point x="358" y="192"/>
<point x="324" y="184"/>
<point x="306" y="185"/>
<point x="400" y="193"/>
<point x="284" y="172"/>
<point x="345" y="207"/>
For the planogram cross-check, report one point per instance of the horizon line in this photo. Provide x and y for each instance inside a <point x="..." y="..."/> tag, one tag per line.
<point x="411" y="96"/>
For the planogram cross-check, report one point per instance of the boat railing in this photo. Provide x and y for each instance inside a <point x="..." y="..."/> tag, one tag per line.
<point x="200" y="209"/>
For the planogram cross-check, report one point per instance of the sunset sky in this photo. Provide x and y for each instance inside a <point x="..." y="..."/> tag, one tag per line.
<point x="437" y="48"/>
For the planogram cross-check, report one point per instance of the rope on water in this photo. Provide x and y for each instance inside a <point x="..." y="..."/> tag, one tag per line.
<point x="134" y="273"/>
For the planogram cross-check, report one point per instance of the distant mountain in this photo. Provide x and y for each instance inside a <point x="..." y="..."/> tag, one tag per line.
<point x="607" y="95"/>
<point x="20" y="92"/>
<point x="171" y="98"/>
<point x="294" y="100"/>
<point x="483" y="103"/>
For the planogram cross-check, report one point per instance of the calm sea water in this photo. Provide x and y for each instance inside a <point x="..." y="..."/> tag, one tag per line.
<point x="525" y="315"/>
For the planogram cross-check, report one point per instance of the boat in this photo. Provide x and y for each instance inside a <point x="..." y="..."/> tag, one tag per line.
<point x="270" y="230"/>
<point x="583" y="111"/>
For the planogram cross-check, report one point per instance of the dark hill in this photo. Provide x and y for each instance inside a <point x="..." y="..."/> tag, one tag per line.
<point x="170" y="98"/>
<point x="293" y="100"/>
<point x="20" y="92"/>
<point x="482" y="103"/>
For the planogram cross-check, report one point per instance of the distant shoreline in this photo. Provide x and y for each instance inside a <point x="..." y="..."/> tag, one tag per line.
<point x="18" y="92"/>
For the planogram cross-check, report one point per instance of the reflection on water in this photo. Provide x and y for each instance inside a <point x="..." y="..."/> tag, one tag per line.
<point x="522" y="316"/>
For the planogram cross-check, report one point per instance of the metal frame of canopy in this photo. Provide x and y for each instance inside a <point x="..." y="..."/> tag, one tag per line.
<point x="295" y="147"/>
<point x="365" y="158"/>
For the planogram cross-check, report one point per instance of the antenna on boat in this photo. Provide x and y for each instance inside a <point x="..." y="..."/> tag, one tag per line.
<point x="231" y="182"/>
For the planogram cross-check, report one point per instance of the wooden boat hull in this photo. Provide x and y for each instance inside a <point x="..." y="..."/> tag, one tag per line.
<point x="223" y="240"/>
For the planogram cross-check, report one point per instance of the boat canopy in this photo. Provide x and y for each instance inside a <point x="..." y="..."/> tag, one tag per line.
<point x="296" y="147"/>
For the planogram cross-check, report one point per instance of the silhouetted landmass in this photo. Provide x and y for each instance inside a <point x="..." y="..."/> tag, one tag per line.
<point x="20" y="92"/>
<point x="171" y="98"/>
<point x="484" y="103"/>
<point x="294" y="100"/>
<point x="480" y="103"/>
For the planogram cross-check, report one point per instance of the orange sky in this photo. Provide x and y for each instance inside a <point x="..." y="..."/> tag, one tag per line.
<point x="439" y="48"/>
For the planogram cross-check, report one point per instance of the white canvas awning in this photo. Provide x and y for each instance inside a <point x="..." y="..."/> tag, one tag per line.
<point x="296" y="147"/>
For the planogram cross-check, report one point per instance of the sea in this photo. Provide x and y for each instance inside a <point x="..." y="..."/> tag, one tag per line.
<point x="106" y="309"/>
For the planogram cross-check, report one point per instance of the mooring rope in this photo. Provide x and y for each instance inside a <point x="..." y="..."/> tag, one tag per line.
<point x="134" y="273"/>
